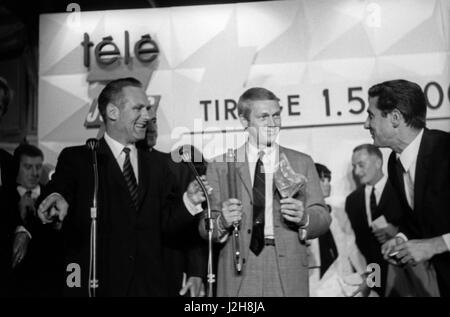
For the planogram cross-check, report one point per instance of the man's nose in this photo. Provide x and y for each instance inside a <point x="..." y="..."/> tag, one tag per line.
<point x="366" y="123"/>
<point x="145" y="113"/>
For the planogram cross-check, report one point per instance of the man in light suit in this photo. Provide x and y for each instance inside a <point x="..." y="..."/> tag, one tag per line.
<point x="137" y="206"/>
<point x="272" y="229"/>
<point x="419" y="170"/>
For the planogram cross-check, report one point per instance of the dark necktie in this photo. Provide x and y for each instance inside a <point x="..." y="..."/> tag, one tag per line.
<point x="259" y="206"/>
<point x="130" y="179"/>
<point x="373" y="205"/>
<point x="328" y="251"/>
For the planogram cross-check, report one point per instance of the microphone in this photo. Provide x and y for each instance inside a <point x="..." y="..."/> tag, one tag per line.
<point x="186" y="156"/>
<point x="92" y="145"/>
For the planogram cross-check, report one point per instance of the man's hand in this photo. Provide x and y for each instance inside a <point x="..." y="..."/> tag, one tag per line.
<point x="386" y="233"/>
<point x="293" y="210"/>
<point x="388" y="250"/>
<point x="20" y="247"/>
<point x="416" y="251"/>
<point x="53" y="207"/>
<point x="195" y="286"/>
<point x="195" y="193"/>
<point x="231" y="211"/>
<point x="363" y="289"/>
<point x="26" y="205"/>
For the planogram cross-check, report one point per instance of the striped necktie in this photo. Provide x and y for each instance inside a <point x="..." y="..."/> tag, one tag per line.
<point x="130" y="178"/>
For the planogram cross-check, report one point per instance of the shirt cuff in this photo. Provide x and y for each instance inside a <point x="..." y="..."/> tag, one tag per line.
<point x="193" y="209"/>
<point x="446" y="238"/>
<point x="23" y="229"/>
<point x="401" y="235"/>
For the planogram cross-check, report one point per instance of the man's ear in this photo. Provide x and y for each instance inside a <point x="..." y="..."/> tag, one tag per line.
<point x="112" y="112"/>
<point x="244" y="121"/>
<point x="396" y="118"/>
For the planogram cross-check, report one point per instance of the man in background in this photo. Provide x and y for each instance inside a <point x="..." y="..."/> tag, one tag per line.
<point x="14" y="237"/>
<point x="373" y="208"/>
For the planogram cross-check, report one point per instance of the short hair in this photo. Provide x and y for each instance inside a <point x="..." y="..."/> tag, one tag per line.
<point x="253" y="94"/>
<point x="405" y="96"/>
<point x="26" y="149"/>
<point x="6" y="98"/>
<point x="370" y="149"/>
<point x="113" y="93"/>
<point x="323" y="171"/>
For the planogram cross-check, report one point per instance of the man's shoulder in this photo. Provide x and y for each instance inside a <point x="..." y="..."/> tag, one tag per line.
<point x="294" y="153"/>
<point x="354" y="195"/>
<point x="4" y="155"/>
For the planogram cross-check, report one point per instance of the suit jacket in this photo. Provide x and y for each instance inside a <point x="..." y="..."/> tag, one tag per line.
<point x="130" y="251"/>
<point x="355" y="206"/>
<point x="291" y="251"/>
<point x="41" y="272"/>
<point x="188" y="253"/>
<point x="9" y="220"/>
<point x="430" y="217"/>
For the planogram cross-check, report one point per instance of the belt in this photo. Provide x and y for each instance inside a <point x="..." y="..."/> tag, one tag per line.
<point x="268" y="241"/>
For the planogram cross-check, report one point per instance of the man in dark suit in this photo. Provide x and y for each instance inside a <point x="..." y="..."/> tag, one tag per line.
<point x="14" y="237"/>
<point x="372" y="208"/>
<point x="419" y="170"/>
<point x="185" y="258"/>
<point x="41" y="271"/>
<point x="137" y="206"/>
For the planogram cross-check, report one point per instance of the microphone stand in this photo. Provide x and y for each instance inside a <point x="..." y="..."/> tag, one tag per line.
<point x="232" y="193"/>
<point x="93" y="281"/>
<point x="211" y="279"/>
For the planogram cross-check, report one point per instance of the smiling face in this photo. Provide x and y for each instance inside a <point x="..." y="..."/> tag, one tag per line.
<point x="380" y="125"/>
<point x="366" y="167"/>
<point x="264" y="122"/>
<point x="129" y="119"/>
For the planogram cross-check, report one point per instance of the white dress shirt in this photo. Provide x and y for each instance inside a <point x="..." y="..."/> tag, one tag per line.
<point x="379" y="187"/>
<point x="269" y="161"/>
<point x="117" y="150"/>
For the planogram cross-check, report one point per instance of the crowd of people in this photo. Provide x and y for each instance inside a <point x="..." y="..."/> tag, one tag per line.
<point x="151" y="237"/>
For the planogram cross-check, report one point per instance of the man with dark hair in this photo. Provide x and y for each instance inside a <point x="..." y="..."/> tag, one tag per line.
<point x="372" y="208"/>
<point x="419" y="170"/>
<point x="136" y="202"/>
<point x="41" y="271"/>
<point x="13" y="235"/>
<point x="272" y="227"/>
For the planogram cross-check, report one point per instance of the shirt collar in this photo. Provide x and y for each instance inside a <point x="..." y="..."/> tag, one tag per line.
<point x="117" y="147"/>
<point x="409" y="154"/>
<point x="253" y="152"/>
<point x="35" y="192"/>
<point x="379" y="186"/>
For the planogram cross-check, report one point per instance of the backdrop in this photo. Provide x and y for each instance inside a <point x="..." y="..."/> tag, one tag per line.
<point x="318" y="57"/>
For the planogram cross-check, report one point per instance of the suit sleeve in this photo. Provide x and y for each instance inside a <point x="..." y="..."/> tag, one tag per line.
<point x="319" y="217"/>
<point x="176" y="219"/>
<point x="64" y="179"/>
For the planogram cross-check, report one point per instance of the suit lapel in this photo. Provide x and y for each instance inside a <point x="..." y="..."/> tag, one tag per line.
<point x="111" y="173"/>
<point x="144" y="168"/>
<point x="422" y="167"/>
<point x="243" y="171"/>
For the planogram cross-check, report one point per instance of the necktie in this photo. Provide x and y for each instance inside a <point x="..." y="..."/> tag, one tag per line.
<point x="400" y="171"/>
<point x="373" y="205"/>
<point x="259" y="206"/>
<point x="130" y="179"/>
